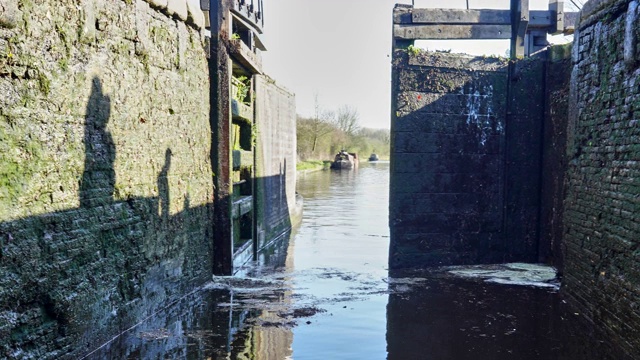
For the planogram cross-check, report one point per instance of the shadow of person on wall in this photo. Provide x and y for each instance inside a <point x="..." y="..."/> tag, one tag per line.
<point x="98" y="179"/>
<point x="89" y="272"/>
<point x="163" y="187"/>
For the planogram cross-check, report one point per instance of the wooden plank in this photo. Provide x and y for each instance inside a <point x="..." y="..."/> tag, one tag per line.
<point x="461" y="16"/>
<point x="245" y="56"/>
<point x="247" y="16"/>
<point x="537" y="18"/>
<point x="242" y="206"/>
<point x="241" y="111"/>
<point x="520" y="16"/>
<point x="547" y="19"/>
<point x="540" y="19"/>
<point x="523" y="21"/>
<point x="241" y="159"/>
<point x="220" y="68"/>
<point x="570" y="20"/>
<point x="556" y="8"/>
<point x="402" y="14"/>
<point x="451" y="32"/>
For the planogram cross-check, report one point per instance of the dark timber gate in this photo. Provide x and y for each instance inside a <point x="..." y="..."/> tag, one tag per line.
<point x="466" y="139"/>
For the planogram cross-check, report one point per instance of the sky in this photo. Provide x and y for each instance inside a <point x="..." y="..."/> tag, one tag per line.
<point x="338" y="51"/>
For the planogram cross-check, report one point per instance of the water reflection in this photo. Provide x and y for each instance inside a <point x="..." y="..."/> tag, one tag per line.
<point x="318" y="293"/>
<point x="340" y="259"/>
<point x="433" y="316"/>
<point x="324" y="292"/>
<point x="230" y="318"/>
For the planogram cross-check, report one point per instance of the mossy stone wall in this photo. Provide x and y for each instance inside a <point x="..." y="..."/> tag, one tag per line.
<point x="602" y="205"/>
<point x="105" y="174"/>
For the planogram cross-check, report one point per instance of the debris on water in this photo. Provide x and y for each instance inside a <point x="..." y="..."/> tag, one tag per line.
<point x="277" y="324"/>
<point x="239" y="284"/>
<point x="536" y="275"/>
<point x="307" y="311"/>
<point x="356" y="308"/>
<point x="404" y="284"/>
<point x="155" y="334"/>
<point x="510" y="332"/>
<point x="405" y="281"/>
<point x="202" y="334"/>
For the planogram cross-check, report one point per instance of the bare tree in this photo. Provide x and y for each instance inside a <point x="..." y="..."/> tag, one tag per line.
<point x="320" y="124"/>
<point x="347" y="120"/>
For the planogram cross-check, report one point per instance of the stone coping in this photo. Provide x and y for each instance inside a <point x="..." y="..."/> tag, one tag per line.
<point x="595" y="10"/>
<point x="186" y="10"/>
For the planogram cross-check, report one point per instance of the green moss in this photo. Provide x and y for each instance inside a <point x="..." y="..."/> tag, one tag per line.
<point x="160" y="34"/>
<point x="120" y="48"/>
<point x="33" y="149"/>
<point x="122" y="192"/>
<point x="26" y="99"/>
<point x="254" y="136"/>
<point x="19" y="161"/>
<point x="63" y="64"/>
<point x="560" y="52"/>
<point x="26" y="6"/>
<point x="313" y="165"/>
<point x="63" y="34"/>
<point x="44" y="84"/>
<point x="143" y="56"/>
<point x="413" y="50"/>
<point x="448" y="85"/>
<point x="235" y="136"/>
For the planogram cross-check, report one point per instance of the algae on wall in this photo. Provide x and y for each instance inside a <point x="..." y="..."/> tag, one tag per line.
<point x="105" y="171"/>
<point x="602" y="214"/>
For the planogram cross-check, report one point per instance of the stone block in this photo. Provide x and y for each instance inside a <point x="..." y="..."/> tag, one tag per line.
<point x="178" y="8"/>
<point x="630" y="34"/>
<point x="600" y="213"/>
<point x="88" y="31"/>
<point x="93" y="189"/>
<point x="142" y="27"/>
<point x="158" y="4"/>
<point x="9" y="13"/>
<point x="195" y="15"/>
<point x="183" y="40"/>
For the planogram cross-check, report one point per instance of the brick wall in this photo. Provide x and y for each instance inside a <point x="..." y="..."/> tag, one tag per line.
<point x="105" y="173"/>
<point x="602" y="206"/>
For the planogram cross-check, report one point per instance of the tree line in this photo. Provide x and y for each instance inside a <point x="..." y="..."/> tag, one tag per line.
<point x="327" y="132"/>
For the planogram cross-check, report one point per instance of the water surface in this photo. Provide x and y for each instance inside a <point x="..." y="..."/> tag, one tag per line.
<point x="324" y="292"/>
